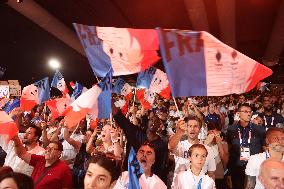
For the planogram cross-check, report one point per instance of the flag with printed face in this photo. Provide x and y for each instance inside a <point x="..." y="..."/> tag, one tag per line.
<point x="125" y="50"/>
<point x="8" y="127"/>
<point x="156" y="81"/>
<point x="58" y="106"/>
<point x="145" y="97"/>
<point x="122" y="88"/>
<point x="95" y="101"/>
<point x="3" y="102"/>
<point x="122" y="104"/>
<point x="34" y="94"/>
<point x="198" y="64"/>
<point x="59" y="83"/>
<point x="134" y="170"/>
<point x="13" y="103"/>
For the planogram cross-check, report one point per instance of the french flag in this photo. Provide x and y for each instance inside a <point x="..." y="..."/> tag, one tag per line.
<point x="122" y="88"/>
<point x="125" y="50"/>
<point x="146" y="98"/>
<point x="58" y="106"/>
<point x="156" y="81"/>
<point x="34" y="94"/>
<point x="198" y="64"/>
<point x="11" y="105"/>
<point x="59" y="83"/>
<point x="8" y="128"/>
<point x="78" y="90"/>
<point x="3" y="102"/>
<point x="122" y="104"/>
<point x="96" y="102"/>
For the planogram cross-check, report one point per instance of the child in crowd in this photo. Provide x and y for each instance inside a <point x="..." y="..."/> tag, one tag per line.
<point x="193" y="178"/>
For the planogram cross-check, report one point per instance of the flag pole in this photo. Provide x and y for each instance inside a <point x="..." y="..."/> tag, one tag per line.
<point x="134" y="96"/>
<point x="177" y="107"/>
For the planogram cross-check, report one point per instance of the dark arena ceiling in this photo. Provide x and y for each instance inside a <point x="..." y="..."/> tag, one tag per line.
<point x="32" y="31"/>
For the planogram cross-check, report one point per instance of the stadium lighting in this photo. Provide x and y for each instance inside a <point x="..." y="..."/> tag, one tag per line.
<point x="54" y="64"/>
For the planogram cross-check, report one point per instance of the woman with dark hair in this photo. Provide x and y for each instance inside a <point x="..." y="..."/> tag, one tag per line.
<point x="102" y="171"/>
<point x="13" y="180"/>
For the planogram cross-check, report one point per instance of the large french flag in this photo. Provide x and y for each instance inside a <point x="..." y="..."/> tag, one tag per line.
<point x="126" y="50"/>
<point x="96" y="102"/>
<point x="8" y="127"/>
<point x="198" y="64"/>
<point x="123" y="88"/>
<point x="34" y="94"/>
<point x="155" y="80"/>
<point x="59" y="83"/>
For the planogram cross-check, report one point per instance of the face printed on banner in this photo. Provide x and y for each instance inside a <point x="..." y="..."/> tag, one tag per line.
<point x="62" y="104"/>
<point x="122" y="49"/>
<point x="159" y="81"/>
<point x="150" y="96"/>
<point x="30" y="93"/>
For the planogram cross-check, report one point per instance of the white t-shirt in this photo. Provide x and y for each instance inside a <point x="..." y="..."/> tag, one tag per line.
<point x="153" y="182"/>
<point x="69" y="152"/>
<point x="181" y="158"/>
<point x="187" y="180"/>
<point x="253" y="166"/>
<point x="13" y="161"/>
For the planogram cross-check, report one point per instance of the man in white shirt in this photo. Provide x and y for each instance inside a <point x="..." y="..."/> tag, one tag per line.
<point x="190" y="128"/>
<point x="275" y="150"/>
<point x="30" y="140"/>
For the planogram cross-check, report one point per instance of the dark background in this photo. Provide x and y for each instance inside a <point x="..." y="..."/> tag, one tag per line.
<point x="25" y="47"/>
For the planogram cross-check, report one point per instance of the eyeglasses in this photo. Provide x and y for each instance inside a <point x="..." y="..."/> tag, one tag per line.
<point x="246" y="111"/>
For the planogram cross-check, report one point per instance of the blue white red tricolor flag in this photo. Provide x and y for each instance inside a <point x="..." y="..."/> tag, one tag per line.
<point x="125" y="50"/>
<point x="134" y="170"/>
<point x="154" y="80"/>
<point x="146" y="98"/>
<point x="95" y="101"/>
<point x="122" y="88"/>
<point x="58" y="105"/>
<point x="34" y="94"/>
<point x="198" y="64"/>
<point x="59" y="83"/>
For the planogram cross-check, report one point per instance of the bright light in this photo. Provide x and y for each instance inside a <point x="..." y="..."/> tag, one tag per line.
<point x="54" y="64"/>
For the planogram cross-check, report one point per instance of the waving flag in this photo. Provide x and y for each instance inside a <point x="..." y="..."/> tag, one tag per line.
<point x="146" y="98"/>
<point x="122" y="88"/>
<point x="78" y="89"/>
<point x="96" y="101"/>
<point x="126" y="50"/>
<point x="58" y="106"/>
<point x="13" y="103"/>
<point x="59" y="83"/>
<point x="123" y="105"/>
<point x="155" y="80"/>
<point x="7" y="126"/>
<point x="72" y="84"/>
<point x="262" y="86"/>
<point x="134" y="170"/>
<point x="198" y="64"/>
<point x="35" y="94"/>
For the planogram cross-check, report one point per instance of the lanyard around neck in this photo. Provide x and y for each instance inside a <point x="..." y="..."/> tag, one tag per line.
<point x="241" y="137"/>
<point x="199" y="183"/>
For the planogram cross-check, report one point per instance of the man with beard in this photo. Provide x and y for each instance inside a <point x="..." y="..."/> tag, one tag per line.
<point x="189" y="127"/>
<point x="30" y="141"/>
<point x="270" y="118"/>
<point x="274" y="151"/>
<point x="244" y="139"/>
<point x="136" y="137"/>
<point x="49" y="171"/>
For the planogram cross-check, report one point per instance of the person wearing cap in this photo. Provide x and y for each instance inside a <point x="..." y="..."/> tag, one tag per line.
<point x="49" y="171"/>
<point x="274" y="150"/>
